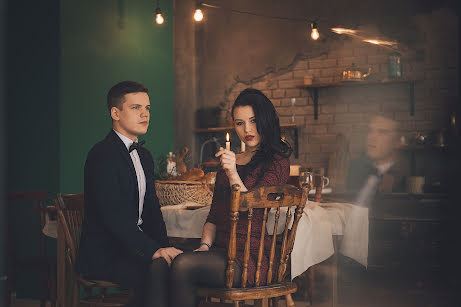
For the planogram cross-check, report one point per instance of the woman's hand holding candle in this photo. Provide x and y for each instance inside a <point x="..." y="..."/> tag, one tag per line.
<point x="227" y="160"/>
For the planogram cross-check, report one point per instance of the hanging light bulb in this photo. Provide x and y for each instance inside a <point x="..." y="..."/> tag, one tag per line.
<point x="158" y="15"/>
<point x="315" y="31"/>
<point x="198" y="15"/>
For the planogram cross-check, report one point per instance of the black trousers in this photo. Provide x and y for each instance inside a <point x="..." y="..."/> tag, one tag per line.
<point x="148" y="281"/>
<point x="192" y="270"/>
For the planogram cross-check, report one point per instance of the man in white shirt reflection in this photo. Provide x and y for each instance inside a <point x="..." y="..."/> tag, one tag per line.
<point x="366" y="175"/>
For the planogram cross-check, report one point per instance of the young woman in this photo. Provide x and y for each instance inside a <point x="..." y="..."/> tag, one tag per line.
<point x="265" y="162"/>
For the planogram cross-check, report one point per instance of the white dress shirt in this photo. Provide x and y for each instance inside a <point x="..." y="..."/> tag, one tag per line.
<point x="369" y="189"/>
<point x="141" y="177"/>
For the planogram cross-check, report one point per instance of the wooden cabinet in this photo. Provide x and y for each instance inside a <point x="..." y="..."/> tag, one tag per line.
<point x="407" y="231"/>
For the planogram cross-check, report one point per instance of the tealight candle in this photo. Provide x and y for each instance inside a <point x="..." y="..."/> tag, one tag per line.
<point x="242" y="146"/>
<point x="227" y="141"/>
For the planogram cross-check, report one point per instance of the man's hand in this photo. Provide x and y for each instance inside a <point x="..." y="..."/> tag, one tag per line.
<point x="167" y="253"/>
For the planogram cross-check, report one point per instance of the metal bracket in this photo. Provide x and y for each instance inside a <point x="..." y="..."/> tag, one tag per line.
<point x="314" y="93"/>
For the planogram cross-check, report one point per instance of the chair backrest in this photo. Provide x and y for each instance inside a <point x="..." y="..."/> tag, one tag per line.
<point x="265" y="197"/>
<point x="22" y="205"/>
<point x="70" y="210"/>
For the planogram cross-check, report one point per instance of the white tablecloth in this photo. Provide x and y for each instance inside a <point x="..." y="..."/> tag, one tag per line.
<point x="184" y="223"/>
<point x="314" y="237"/>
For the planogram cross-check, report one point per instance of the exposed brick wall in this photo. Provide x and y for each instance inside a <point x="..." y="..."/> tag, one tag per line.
<point x="347" y="109"/>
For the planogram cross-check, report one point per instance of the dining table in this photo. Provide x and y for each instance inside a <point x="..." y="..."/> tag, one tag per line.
<point x="314" y="241"/>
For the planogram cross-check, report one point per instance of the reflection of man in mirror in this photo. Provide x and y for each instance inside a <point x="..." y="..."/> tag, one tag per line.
<point x="366" y="175"/>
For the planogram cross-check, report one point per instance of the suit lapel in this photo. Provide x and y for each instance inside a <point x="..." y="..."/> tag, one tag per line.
<point x="113" y="137"/>
<point x="146" y="166"/>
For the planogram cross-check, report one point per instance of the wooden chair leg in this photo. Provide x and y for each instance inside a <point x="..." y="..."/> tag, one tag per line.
<point x="264" y="302"/>
<point x="289" y="299"/>
<point x="310" y="289"/>
<point x="75" y="294"/>
<point x="334" y="271"/>
<point x="52" y="284"/>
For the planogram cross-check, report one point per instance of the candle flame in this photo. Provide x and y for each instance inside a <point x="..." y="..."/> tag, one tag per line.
<point x="227" y="137"/>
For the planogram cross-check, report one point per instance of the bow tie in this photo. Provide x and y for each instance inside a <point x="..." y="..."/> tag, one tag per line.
<point x="374" y="171"/>
<point x="136" y="145"/>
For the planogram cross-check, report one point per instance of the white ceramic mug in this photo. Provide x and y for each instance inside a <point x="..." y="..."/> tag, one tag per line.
<point x="321" y="180"/>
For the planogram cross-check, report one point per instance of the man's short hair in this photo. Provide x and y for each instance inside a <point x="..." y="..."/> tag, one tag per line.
<point x="116" y="95"/>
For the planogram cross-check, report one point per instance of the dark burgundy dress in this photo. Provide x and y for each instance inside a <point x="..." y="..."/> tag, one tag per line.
<point x="277" y="173"/>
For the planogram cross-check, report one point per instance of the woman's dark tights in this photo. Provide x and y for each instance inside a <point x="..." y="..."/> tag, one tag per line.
<point x="192" y="270"/>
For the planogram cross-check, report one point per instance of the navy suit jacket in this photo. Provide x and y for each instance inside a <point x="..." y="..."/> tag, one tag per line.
<point x="110" y="228"/>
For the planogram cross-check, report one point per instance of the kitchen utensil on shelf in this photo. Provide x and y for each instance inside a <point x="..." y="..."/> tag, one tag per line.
<point x="353" y="73"/>
<point x="308" y="80"/>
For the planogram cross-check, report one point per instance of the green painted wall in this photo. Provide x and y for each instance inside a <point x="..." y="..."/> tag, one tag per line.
<point x="104" y="42"/>
<point x="31" y="121"/>
<point x="62" y="57"/>
<point x="32" y="95"/>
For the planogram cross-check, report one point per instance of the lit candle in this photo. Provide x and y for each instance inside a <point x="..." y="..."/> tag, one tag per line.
<point x="242" y="146"/>
<point x="227" y="141"/>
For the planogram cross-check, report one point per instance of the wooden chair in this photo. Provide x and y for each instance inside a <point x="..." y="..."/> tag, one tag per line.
<point x="27" y="209"/>
<point x="70" y="210"/>
<point x="266" y="198"/>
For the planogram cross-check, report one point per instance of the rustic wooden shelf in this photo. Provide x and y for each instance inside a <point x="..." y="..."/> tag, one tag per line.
<point x="355" y="83"/>
<point x="313" y="89"/>
<point x="289" y="127"/>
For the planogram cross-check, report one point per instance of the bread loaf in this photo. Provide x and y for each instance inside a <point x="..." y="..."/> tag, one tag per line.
<point x="209" y="178"/>
<point x="191" y="175"/>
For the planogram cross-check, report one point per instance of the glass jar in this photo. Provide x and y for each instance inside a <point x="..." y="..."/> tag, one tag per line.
<point x="395" y="66"/>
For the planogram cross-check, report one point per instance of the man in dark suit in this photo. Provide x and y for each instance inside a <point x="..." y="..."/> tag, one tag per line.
<point x="124" y="238"/>
<point x="365" y="175"/>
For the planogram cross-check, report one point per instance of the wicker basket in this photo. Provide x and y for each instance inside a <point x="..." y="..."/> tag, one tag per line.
<point x="175" y="192"/>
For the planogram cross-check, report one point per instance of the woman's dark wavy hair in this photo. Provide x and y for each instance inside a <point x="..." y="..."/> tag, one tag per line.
<point x="267" y="124"/>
